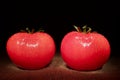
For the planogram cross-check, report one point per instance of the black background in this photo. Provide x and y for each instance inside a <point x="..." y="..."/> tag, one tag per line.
<point x="58" y="18"/>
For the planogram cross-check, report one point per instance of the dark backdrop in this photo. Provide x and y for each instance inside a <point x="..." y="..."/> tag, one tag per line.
<point x="58" y="20"/>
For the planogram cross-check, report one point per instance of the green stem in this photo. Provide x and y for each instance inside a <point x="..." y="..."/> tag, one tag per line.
<point x="89" y="30"/>
<point x="40" y="30"/>
<point x="28" y="30"/>
<point x="32" y="31"/>
<point x="85" y="29"/>
<point x="77" y="28"/>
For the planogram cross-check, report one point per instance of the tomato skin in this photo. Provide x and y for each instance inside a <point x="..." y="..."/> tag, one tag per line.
<point x="31" y="51"/>
<point x="85" y="51"/>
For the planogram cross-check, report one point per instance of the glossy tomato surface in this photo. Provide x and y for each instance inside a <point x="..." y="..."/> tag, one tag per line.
<point x="31" y="51"/>
<point x="85" y="51"/>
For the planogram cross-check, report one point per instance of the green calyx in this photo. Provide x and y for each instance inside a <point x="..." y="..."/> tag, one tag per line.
<point x="32" y="31"/>
<point x="84" y="29"/>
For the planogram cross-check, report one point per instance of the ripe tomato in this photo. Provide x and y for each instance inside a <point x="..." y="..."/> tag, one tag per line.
<point x="31" y="50"/>
<point x="85" y="50"/>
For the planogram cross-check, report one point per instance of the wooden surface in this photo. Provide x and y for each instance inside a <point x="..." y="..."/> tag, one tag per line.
<point x="57" y="70"/>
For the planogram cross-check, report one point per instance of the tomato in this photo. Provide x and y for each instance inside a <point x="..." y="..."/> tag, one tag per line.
<point x="85" y="50"/>
<point x="31" y="50"/>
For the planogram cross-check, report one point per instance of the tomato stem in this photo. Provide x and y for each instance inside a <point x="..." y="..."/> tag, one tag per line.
<point x="77" y="28"/>
<point x="89" y="30"/>
<point x="32" y="31"/>
<point x="85" y="29"/>
<point x="27" y="29"/>
<point x="40" y="30"/>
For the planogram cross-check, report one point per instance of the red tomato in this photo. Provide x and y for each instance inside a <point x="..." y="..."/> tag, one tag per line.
<point x="85" y="51"/>
<point x="31" y="50"/>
